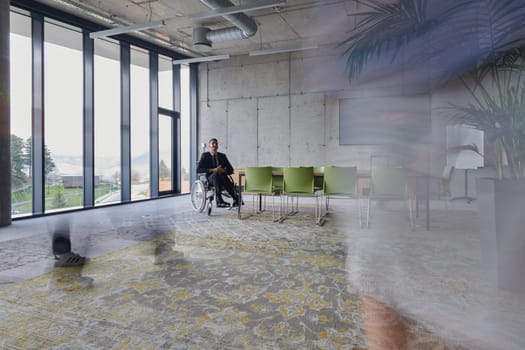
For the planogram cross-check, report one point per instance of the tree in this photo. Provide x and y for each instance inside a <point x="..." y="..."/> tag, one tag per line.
<point x="18" y="177"/>
<point x="59" y="201"/>
<point x="49" y="163"/>
<point x="164" y="171"/>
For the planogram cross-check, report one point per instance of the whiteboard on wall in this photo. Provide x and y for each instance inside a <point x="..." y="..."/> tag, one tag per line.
<point x="464" y="147"/>
<point x="388" y="120"/>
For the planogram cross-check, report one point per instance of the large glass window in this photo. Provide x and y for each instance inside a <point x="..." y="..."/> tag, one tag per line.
<point x="107" y="122"/>
<point x="165" y="83"/>
<point x="63" y="101"/>
<point x="165" y="153"/>
<point x="20" y="99"/>
<point x="62" y="110"/>
<point x="140" y="126"/>
<point x="185" y="128"/>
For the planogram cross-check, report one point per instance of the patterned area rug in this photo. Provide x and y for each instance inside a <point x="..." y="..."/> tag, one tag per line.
<point x="223" y="284"/>
<point x="220" y="284"/>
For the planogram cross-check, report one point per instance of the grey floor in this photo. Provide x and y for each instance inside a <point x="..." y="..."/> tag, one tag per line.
<point x="435" y="277"/>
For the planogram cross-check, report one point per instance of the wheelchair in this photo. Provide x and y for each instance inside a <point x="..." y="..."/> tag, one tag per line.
<point x="203" y="193"/>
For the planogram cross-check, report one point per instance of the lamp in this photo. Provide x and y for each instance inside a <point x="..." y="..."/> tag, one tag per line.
<point x="223" y="11"/>
<point x="202" y="59"/>
<point x="125" y="29"/>
<point x="281" y="50"/>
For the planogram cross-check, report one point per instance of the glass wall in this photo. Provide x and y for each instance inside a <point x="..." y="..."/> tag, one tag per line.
<point x="20" y="57"/>
<point x="107" y="121"/>
<point x="60" y="103"/>
<point x="185" y="128"/>
<point x="166" y="131"/>
<point x="63" y="101"/>
<point x="140" y="125"/>
<point x="165" y="153"/>
<point x="165" y="82"/>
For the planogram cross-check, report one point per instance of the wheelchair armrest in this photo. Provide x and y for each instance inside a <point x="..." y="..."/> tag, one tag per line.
<point x="202" y="177"/>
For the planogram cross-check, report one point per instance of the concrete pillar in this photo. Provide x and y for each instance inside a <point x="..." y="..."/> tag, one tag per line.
<point x="5" y="121"/>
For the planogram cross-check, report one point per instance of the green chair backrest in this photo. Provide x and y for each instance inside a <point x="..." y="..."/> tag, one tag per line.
<point x="278" y="179"/>
<point x="388" y="182"/>
<point x="340" y="181"/>
<point x="446" y="178"/>
<point x="318" y="180"/>
<point x="447" y="173"/>
<point x="258" y="179"/>
<point x="298" y="180"/>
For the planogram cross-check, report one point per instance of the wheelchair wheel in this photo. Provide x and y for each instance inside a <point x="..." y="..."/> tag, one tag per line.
<point x="198" y="196"/>
<point x="210" y="205"/>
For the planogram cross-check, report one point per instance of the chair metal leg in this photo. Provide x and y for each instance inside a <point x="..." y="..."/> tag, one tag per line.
<point x="359" y="212"/>
<point x="411" y="219"/>
<point x="273" y="207"/>
<point x="368" y="213"/>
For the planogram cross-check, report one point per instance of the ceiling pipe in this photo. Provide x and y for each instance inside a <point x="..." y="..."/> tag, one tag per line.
<point x="245" y="27"/>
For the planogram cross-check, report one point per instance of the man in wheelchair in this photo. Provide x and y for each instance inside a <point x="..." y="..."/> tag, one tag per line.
<point x="217" y="169"/>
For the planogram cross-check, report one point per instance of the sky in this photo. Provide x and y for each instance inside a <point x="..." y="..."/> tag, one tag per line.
<point x="64" y="105"/>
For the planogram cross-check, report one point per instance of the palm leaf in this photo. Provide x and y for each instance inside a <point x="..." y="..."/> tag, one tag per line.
<point x="384" y="28"/>
<point x="488" y="28"/>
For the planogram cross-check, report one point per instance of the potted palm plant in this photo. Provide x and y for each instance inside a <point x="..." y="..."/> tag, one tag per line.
<point x="498" y="108"/>
<point x="444" y="40"/>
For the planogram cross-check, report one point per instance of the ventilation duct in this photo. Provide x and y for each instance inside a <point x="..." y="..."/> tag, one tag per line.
<point x="245" y="27"/>
<point x="200" y="42"/>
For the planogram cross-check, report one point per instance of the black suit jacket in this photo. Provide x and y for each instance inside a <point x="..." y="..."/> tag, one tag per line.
<point x="206" y="163"/>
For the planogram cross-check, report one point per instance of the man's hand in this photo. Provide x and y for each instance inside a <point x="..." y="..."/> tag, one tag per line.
<point x="218" y="170"/>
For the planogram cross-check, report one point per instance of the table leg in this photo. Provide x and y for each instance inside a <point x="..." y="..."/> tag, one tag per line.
<point x="240" y="198"/>
<point x="427" y="179"/>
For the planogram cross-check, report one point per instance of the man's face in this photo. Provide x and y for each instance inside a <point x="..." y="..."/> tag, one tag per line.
<point x="214" y="146"/>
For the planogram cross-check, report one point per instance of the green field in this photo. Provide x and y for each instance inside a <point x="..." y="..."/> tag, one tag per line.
<point x="56" y="197"/>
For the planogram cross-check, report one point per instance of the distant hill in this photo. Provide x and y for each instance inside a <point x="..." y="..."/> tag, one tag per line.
<point x="105" y="167"/>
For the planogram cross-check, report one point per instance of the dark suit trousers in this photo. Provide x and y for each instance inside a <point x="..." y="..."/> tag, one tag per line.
<point x="221" y="181"/>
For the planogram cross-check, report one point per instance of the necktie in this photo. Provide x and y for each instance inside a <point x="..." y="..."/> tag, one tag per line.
<point x="215" y="161"/>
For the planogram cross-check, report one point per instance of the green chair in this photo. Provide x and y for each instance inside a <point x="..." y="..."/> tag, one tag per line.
<point x="341" y="182"/>
<point x="444" y="182"/>
<point x="299" y="182"/>
<point x="259" y="181"/>
<point x="318" y="180"/>
<point x="277" y="179"/>
<point x="389" y="184"/>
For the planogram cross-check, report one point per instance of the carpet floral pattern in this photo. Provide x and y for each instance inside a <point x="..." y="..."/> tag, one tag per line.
<point x="221" y="283"/>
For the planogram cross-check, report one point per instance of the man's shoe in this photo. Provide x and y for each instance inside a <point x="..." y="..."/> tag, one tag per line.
<point x="222" y="205"/>
<point x="70" y="259"/>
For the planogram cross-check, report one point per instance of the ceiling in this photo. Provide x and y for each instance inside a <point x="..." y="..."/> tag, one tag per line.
<point x="296" y="23"/>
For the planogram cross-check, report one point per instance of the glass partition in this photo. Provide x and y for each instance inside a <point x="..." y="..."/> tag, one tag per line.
<point x="185" y="128"/>
<point x="63" y="101"/>
<point x="107" y="121"/>
<point x="20" y="58"/>
<point x="140" y="125"/>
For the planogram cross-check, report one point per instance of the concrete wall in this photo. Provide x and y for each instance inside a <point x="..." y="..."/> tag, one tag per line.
<point x="283" y="110"/>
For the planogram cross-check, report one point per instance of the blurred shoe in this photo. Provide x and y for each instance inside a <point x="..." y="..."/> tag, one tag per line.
<point x="223" y="205"/>
<point x="70" y="259"/>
